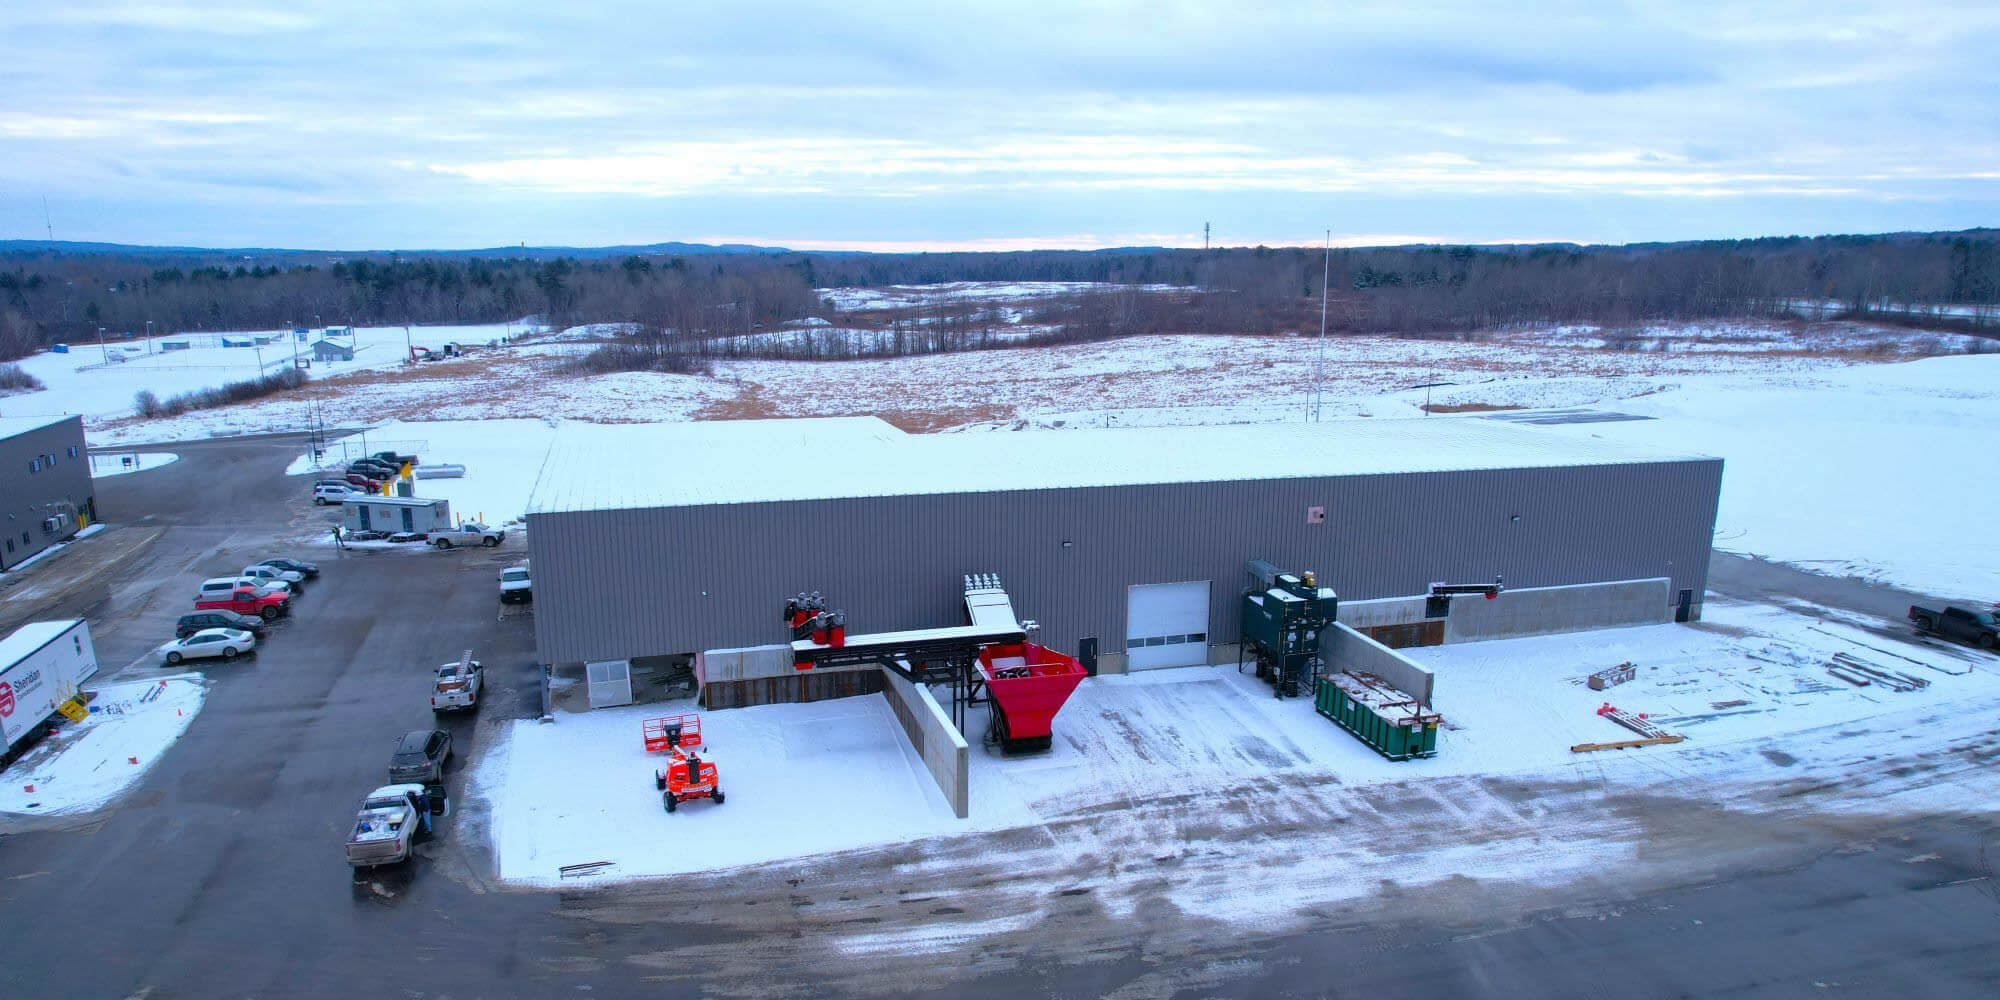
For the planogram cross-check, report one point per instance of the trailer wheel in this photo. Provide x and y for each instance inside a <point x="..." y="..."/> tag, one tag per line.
<point x="671" y="802"/>
<point x="718" y="795"/>
<point x="659" y="781"/>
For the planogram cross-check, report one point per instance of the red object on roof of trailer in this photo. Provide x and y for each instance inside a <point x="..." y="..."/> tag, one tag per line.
<point x="1029" y="683"/>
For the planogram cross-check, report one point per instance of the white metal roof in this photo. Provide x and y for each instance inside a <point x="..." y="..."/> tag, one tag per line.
<point x="29" y="638"/>
<point x="10" y="426"/>
<point x="382" y="501"/>
<point x="629" y="466"/>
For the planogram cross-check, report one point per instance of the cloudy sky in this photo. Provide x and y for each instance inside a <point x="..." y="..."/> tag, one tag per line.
<point x="1005" y="125"/>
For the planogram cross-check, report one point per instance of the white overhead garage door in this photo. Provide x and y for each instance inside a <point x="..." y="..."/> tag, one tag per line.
<point x="1166" y="625"/>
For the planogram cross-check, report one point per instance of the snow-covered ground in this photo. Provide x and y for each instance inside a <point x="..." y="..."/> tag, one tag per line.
<point x="914" y="296"/>
<point x="85" y="765"/>
<point x="100" y="383"/>
<point x="1872" y="471"/>
<point x="830" y="776"/>
<point x="119" y="463"/>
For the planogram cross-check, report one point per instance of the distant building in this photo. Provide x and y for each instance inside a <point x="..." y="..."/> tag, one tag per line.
<point x="327" y="350"/>
<point x="46" y="493"/>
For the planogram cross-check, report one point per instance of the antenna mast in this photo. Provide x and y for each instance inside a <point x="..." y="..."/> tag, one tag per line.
<point x="47" y="219"/>
<point x="1319" y="363"/>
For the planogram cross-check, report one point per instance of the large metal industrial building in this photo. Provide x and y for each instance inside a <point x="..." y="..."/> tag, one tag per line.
<point x="1127" y="546"/>
<point x="46" y="491"/>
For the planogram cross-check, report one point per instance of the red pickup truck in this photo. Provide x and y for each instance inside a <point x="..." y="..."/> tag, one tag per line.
<point x="246" y="601"/>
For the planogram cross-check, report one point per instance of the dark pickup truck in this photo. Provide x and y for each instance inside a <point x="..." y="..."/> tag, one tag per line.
<point x="1977" y="627"/>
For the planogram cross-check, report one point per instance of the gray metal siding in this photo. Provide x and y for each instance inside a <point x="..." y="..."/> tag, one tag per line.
<point x="669" y="580"/>
<point x="28" y="497"/>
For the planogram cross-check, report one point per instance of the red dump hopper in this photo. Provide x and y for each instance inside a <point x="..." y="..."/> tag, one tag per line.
<point x="1029" y="684"/>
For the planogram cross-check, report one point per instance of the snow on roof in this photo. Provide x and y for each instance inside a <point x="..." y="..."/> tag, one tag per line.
<point x="631" y="466"/>
<point x="10" y="426"/>
<point x="379" y="501"/>
<point x="29" y="638"/>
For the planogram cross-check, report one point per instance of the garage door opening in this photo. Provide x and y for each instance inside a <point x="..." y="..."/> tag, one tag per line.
<point x="1166" y="625"/>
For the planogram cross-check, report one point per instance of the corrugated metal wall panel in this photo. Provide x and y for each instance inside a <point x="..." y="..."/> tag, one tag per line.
<point x="671" y="580"/>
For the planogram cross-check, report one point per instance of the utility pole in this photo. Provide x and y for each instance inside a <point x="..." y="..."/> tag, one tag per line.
<point x="409" y="349"/>
<point x="1204" y="236"/>
<point x="47" y="219"/>
<point x="101" y="349"/>
<point x="1319" y="364"/>
<point x="149" y="336"/>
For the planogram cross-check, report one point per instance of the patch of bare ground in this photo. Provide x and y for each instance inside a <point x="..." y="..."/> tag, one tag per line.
<point x="1469" y="407"/>
<point x="749" y="404"/>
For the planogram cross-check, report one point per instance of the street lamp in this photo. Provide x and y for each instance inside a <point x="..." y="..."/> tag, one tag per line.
<point x="101" y="349"/>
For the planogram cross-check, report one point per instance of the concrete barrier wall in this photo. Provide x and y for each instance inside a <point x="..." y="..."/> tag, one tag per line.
<point x="1528" y="610"/>
<point x="745" y="663"/>
<point x="937" y="741"/>
<point x="1382" y="611"/>
<point x="1547" y="610"/>
<point x="1342" y="648"/>
<point x="807" y="685"/>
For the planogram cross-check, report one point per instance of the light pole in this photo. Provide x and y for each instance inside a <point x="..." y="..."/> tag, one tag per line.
<point x="149" y="336"/>
<point x="101" y="349"/>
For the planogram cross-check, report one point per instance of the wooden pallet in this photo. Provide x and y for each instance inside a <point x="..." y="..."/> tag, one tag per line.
<point x="1626" y="744"/>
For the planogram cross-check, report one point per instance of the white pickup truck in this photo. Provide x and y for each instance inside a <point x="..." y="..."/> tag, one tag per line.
<point x="385" y="832"/>
<point x="515" y="584"/>
<point x="458" y="684"/>
<point x="468" y="533"/>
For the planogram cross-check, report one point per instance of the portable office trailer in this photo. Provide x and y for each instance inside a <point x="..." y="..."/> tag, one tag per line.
<point x="393" y="514"/>
<point x="1127" y="546"/>
<point x="42" y="665"/>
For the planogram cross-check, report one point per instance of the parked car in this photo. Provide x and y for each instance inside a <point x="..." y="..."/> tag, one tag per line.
<point x="227" y="643"/>
<point x="267" y="575"/>
<point x="326" y="493"/>
<point x="227" y="584"/>
<point x="468" y="533"/>
<point x="192" y="623"/>
<point x="1978" y="627"/>
<point x="386" y="829"/>
<point x="420" y="757"/>
<point x="393" y="458"/>
<point x="310" y="569"/>
<point x="458" y="684"/>
<point x="373" y="470"/>
<point x="515" y="586"/>
<point x="317" y="483"/>
<point x="364" y="483"/>
<point x="257" y="601"/>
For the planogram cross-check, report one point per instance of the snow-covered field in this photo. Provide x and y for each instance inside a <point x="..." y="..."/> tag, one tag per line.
<point x="831" y="776"/>
<point x="101" y="383"/>
<point x="87" y="764"/>
<point x="1870" y="471"/>
<point x="1830" y="465"/>
<point x="917" y="296"/>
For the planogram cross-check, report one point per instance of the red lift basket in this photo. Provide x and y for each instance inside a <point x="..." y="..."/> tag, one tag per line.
<point x="1028" y="684"/>
<point x="672" y="732"/>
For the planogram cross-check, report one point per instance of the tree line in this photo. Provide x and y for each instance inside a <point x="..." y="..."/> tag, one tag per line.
<point x="48" y="296"/>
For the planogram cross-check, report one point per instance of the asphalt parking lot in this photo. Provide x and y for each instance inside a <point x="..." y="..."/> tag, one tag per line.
<point x="221" y="874"/>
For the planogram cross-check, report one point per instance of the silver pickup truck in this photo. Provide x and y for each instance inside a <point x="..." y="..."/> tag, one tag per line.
<point x="386" y="830"/>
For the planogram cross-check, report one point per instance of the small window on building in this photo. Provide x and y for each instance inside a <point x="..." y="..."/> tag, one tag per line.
<point x="24" y="538"/>
<point x="72" y="451"/>
<point x="10" y="545"/>
<point x="34" y="465"/>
